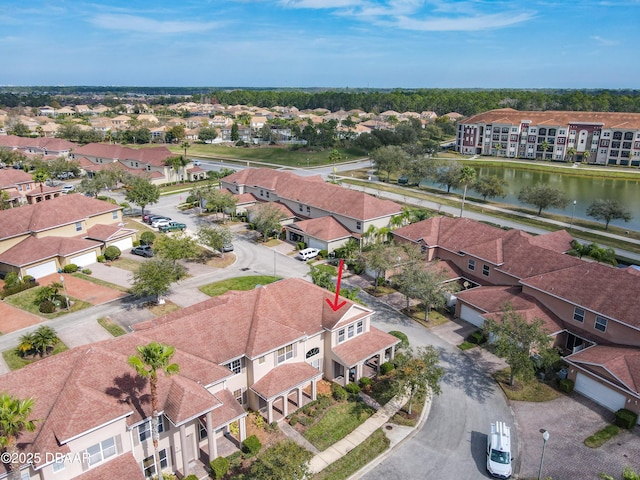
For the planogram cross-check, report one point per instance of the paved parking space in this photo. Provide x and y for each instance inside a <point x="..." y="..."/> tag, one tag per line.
<point x="12" y="318"/>
<point x="83" y="289"/>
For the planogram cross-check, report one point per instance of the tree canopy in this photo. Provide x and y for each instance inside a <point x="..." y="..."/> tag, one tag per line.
<point x="141" y="192"/>
<point x="418" y="372"/>
<point x="543" y="196"/>
<point x="608" y="210"/>
<point x="286" y="459"/>
<point x="155" y="276"/>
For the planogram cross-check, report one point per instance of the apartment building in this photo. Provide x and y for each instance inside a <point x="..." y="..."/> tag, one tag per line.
<point x="604" y="138"/>
<point x="589" y="309"/>
<point x="93" y="412"/>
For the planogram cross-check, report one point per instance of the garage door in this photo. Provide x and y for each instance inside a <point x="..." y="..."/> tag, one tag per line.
<point x="84" y="259"/>
<point x="313" y="243"/>
<point x="42" y="270"/>
<point x="124" y="244"/>
<point x="599" y="393"/>
<point x="470" y="315"/>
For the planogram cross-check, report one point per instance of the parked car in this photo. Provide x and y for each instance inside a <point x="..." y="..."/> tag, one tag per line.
<point x="157" y="221"/>
<point x="65" y="175"/>
<point x="143" y="251"/>
<point x="308" y="253"/>
<point x="68" y="189"/>
<point x="228" y="247"/>
<point x="499" y="450"/>
<point x="196" y="163"/>
<point x="150" y="217"/>
<point x="171" y="226"/>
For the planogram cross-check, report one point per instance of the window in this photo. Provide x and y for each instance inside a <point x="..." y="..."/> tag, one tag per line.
<point x="144" y="430"/>
<point x="101" y="451"/>
<point x="351" y="331"/>
<point x="149" y="467"/>
<point x="78" y="226"/>
<point x="267" y="194"/>
<point x="114" y="215"/>
<point x="235" y="366"/>
<point x="262" y="193"/>
<point x="341" y="335"/>
<point x="601" y="323"/>
<point x="359" y="327"/>
<point x="359" y="225"/>
<point x="472" y="264"/>
<point x="240" y="396"/>
<point x="300" y="207"/>
<point x="285" y="353"/>
<point x="606" y="134"/>
<point x="578" y="314"/>
<point x="202" y="431"/>
<point x="485" y="270"/>
<point x="313" y="352"/>
<point x="261" y="360"/>
<point x="308" y="209"/>
<point x="58" y="465"/>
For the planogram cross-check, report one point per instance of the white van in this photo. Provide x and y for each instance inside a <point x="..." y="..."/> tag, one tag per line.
<point x="308" y="253"/>
<point x="499" y="450"/>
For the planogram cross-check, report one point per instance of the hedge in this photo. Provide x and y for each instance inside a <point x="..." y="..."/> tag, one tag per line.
<point x="251" y="446"/>
<point x="219" y="467"/>
<point x="566" y="385"/>
<point x="626" y="418"/>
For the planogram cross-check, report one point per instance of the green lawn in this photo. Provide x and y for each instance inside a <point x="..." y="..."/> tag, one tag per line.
<point x="102" y="283"/>
<point x="15" y="361"/>
<point x="337" y="423"/>
<point x="26" y="300"/>
<point x="602" y="436"/>
<point x="356" y="458"/>
<point x="111" y="327"/>
<point x="237" y="283"/>
<point x="532" y="391"/>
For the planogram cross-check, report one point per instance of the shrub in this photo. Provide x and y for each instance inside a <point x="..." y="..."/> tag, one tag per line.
<point x="386" y="367"/>
<point x="352" y="389"/>
<point x="136" y="243"/>
<point x="11" y="280"/>
<point x="47" y="306"/>
<point x="272" y="427"/>
<point x="71" y="268"/>
<point x="566" y="385"/>
<point x="219" y="467"/>
<point x="365" y="383"/>
<point x="293" y="421"/>
<point x="404" y="340"/>
<point x="251" y="446"/>
<point x="112" y="252"/>
<point x="235" y="460"/>
<point x="101" y="259"/>
<point x="323" y="253"/>
<point x="18" y="288"/>
<point x="87" y="271"/>
<point x="306" y="421"/>
<point x="258" y="419"/>
<point x="147" y="238"/>
<point x="477" y="337"/>
<point x="189" y="477"/>
<point x="338" y="392"/>
<point x="28" y="279"/>
<point x="626" y="418"/>
<point x="380" y="281"/>
<point x="301" y="245"/>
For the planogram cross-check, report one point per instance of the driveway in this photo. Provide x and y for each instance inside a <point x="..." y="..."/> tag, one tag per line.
<point x="84" y="289"/>
<point x="13" y="319"/>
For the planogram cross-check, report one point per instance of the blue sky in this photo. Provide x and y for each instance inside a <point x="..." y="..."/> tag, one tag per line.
<point x="322" y="43"/>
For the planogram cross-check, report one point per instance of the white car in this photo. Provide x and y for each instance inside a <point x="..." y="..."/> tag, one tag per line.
<point x="161" y="222"/>
<point x="499" y="450"/>
<point x="68" y="189"/>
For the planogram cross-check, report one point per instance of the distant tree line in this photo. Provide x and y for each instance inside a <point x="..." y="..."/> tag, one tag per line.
<point x="464" y="101"/>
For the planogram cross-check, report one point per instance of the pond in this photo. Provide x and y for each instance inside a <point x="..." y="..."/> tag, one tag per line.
<point x="582" y="190"/>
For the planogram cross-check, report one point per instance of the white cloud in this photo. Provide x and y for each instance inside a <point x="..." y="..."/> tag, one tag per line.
<point x="604" y="42"/>
<point x="134" y="23"/>
<point x="324" y="4"/>
<point x="472" y="23"/>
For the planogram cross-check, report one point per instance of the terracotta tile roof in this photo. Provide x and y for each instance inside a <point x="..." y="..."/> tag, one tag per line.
<point x="558" y="241"/>
<point x="491" y="300"/>
<point x="45" y="143"/>
<point x="155" y="156"/>
<point x="286" y="211"/>
<point x="603" y="289"/>
<point x="244" y="198"/>
<point x="284" y="378"/>
<point x="108" y="232"/>
<point x="322" y="228"/>
<point x="262" y="320"/>
<point x="33" y="249"/>
<point x="62" y="210"/>
<point x="123" y="466"/>
<point x="622" y="363"/>
<point x="364" y="346"/>
<point x="510" y="116"/>
<point x="10" y="177"/>
<point x="316" y="192"/>
<point x="229" y="410"/>
<point x="187" y="399"/>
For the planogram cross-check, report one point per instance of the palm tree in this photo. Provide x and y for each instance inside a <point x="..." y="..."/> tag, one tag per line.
<point x="177" y="162"/>
<point x="185" y="145"/>
<point x="14" y="420"/>
<point x="498" y="148"/>
<point x="467" y="177"/>
<point x="585" y="156"/>
<point x="26" y="344"/>
<point x="571" y="153"/>
<point x="151" y="358"/>
<point x="545" y="146"/>
<point x="43" y="339"/>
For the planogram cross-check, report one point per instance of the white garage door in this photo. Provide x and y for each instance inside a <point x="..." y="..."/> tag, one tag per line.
<point x="123" y="244"/>
<point x="470" y="315"/>
<point x="42" y="270"/>
<point x="84" y="259"/>
<point x="599" y="393"/>
<point x="313" y="243"/>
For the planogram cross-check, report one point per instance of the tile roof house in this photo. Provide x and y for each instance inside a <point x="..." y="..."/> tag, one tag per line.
<point x="41" y="238"/>
<point x="586" y="306"/>
<point x="21" y="188"/>
<point x="310" y="199"/>
<point x="95" y="412"/>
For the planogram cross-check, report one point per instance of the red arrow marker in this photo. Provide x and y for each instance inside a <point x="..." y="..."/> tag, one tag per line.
<point x="335" y="306"/>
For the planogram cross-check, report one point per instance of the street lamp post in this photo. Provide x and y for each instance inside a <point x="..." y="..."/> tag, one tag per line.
<point x="64" y="289"/>
<point x="573" y="212"/>
<point x="545" y="438"/>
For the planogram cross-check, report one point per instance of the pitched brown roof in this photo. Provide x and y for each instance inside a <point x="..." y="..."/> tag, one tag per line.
<point x="621" y="363"/>
<point x="364" y="346"/>
<point x="316" y="192"/>
<point x="33" y="249"/>
<point x="284" y="378"/>
<point x="557" y="118"/>
<point x="322" y="228"/>
<point x="155" y="156"/>
<point x="10" y="177"/>
<point x="62" y="210"/>
<point x="123" y="466"/>
<point x="603" y="289"/>
<point x="491" y="301"/>
<point x="281" y="207"/>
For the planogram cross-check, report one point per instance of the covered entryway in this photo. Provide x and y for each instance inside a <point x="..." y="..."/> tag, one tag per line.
<point x="43" y="269"/>
<point x="85" y="259"/>
<point x="472" y="316"/>
<point x="599" y="393"/>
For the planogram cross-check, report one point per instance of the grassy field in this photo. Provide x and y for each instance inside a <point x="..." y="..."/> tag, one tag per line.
<point x="238" y="283"/>
<point x="337" y="423"/>
<point x="533" y="391"/>
<point x="26" y="300"/>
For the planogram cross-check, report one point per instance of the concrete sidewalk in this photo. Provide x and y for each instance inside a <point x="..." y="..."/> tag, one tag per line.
<point x="380" y="419"/>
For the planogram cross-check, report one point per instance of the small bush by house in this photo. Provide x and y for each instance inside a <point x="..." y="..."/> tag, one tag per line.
<point x="71" y="268"/>
<point x="566" y="385"/>
<point x="219" y="467"/>
<point x="251" y="446"/>
<point x="386" y="367"/>
<point x="626" y="418"/>
<point x="338" y="392"/>
<point x="112" y="252"/>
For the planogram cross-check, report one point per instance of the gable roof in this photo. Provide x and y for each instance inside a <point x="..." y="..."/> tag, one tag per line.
<point x="155" y="156"/>
<point x="621" y="365"/>
<point x="315" y="191"/>
<point x="323" y="228"/>
<point x="62" y="210"/>
<point x="33" y="249"/>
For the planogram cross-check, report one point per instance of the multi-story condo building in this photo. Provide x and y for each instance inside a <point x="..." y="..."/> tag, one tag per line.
<point x="605" y="138"/>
